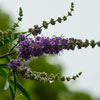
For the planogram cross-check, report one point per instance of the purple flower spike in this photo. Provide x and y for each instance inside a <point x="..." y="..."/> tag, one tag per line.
<point x="41" y="46"/>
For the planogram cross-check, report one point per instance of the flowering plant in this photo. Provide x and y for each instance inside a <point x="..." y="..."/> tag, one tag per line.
<point x="35" y="46"/>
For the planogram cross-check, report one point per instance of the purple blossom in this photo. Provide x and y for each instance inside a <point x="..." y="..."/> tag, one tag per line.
<point x="22" y="37"/>
<point x="44" y="45"/>
<point x="14" y="64"/>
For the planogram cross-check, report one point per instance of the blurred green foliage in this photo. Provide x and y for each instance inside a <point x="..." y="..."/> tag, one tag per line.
<point x="37" y="90"/>
<point x="5" y="21"/>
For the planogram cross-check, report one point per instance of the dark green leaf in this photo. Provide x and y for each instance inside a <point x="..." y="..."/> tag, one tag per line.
<point x="8" y="58"/>
<point x="3" y="73"/>
<point x="21" y="89"/>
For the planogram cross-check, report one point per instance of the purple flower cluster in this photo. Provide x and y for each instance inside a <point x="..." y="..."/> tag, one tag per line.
<point x="18" y="66"/>
<point x="40" y="46"/>
<point x="14" y="64"/>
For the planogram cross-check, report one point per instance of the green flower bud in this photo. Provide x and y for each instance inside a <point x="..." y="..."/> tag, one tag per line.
<point x="71" y="9"/>
<point x="92" y="43"/>
<point x="72" y="5"/>
<point x="19" y="18"/>
<point x="59" y="19"/>
<point x="52" y="21"/>
<point x="69" y="14"/>
<point x="64" y="18"/>
<point x="98" y="43"/>
<point x="62" y="78"/>
<point x="74" y="77"/>
<point x="30" y="30"/>
<point x="79" y="73"/>
<point x="45" y="24"/>
<point x="68" y="78"/>
<point x="77" y="76"/>
<point x="20" y="12"/>
<point x="32" y="77"/>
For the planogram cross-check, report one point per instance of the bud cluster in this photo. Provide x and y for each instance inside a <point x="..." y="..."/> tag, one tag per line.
<point x="44" y="77"/>
<point x="18" y="66"/>
<point x="59" y="19"/>
<point x="19" y="19"/>
<point x="4" y="35"/>
<point x="35" y="31"/>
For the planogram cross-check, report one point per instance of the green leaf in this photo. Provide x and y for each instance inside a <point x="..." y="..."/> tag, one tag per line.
<point x="6" y="85"/>
<point x="3" y="61"/>
<point x="20" y="33"/>
<point x="7" y="37"/>
<point x="8" y="58"/>
<point x="4" y="66"/>
<point x="21" y="89"/>
<point x="10" y="38"/>
<point x="3" y="73"/>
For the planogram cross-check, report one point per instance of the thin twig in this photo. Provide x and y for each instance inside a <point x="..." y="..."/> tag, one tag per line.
<point x="7" y="54"/>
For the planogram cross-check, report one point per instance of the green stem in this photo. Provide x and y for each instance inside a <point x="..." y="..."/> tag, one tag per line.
<point x="13" y="47"/>
<point x="15" y="82"/>
<point x="12" y="93"/>
<point x="14" y="85"/>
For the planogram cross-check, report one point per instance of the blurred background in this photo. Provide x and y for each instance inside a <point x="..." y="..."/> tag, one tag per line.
<point x="84" y="24"/>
